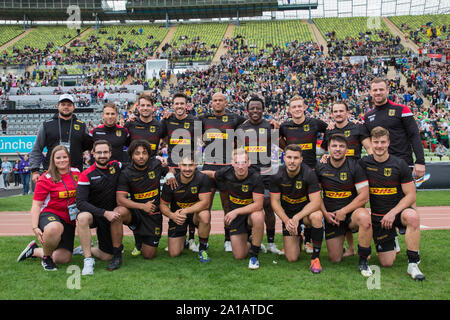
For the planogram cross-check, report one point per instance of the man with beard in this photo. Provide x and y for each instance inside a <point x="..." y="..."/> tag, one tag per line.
<point x="63" y="129"/>
<point x="295" y="186"/>
<point x="189" y="203"/>
<point x="345" y="187"/>
<point x="96" y="200"/>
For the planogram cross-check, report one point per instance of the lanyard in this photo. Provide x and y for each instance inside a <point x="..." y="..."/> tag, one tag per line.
<point x="67" y="189"/>
<point x="70" y="132"/>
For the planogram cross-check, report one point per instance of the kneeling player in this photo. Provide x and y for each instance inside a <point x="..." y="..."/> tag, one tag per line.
<point x="189" y="203"/>
<point x="346" y="192"/>
<point x="295" y="186"/>
<point x="246" y="194"/>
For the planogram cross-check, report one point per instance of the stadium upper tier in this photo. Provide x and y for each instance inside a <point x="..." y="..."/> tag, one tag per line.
<point x="416" y="27"/>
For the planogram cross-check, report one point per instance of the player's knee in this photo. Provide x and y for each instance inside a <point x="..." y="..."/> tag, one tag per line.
<point x="335" y="257"/>
<point x="387" y="263"/>
<point x="291" y="257"/>
<point x="258" y="218"/>
<point x="83" y="218"/>
<point x="363" y="219"/>
<point x="411" y="218"/>
<point x="316" y="218"/>
<point x="54" y="228"/>
<point x="204" y="217"/>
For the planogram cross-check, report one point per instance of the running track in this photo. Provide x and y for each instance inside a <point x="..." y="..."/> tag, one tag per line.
<point x="19" y="223"/>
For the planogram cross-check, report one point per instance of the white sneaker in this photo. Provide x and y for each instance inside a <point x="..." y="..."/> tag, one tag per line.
<point x="88" y="269"/>
<point x="192" y="246"/>
<point x="253" y="263"/>
<point x="227" y="246"/>
<point x="78" y="251"/>
<point x="308" y="247"/>
<point x="272" y="247"/>
<point x="263" y="248"/>
<point x="414" y="271"/>
<point x="397" y="245"/>
<point x="166" y="249"/>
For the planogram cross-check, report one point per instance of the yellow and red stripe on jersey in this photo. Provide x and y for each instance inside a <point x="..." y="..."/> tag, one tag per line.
<point x="338" y="194"/>
<point x="383" y="191"/>
<point x="185" y="205"/>
<point x="256" y="149"/>
<point x="216" y="135"/>
<point x="63" y="194"/>
<point x="241" y="201"/>
<point x="306" y="146"/>
<point x="146" y="195"/>
<point x="180" y="141"/>
<point x="293" y="201"/>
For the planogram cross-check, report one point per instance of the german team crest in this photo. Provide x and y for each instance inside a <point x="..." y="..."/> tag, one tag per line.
<point x="391" y="112"/>
<point x="112" y="170"/>
<point x="387" y="172"/>
<point x="347" y="133"/>
<point x="193" y="190"/>
<point x="306" y="127"/>
<point x="151" y="175"/>
<point x="343" y="176"/>
<point x="298" y="184"/>
<point x="244" y="188"/>
<point x="118" y="133"/>
<point x="224" y="118"/>
<point x="187" y="125"/>
<point x="152" y="129"/>
<point x="76" y="127"/>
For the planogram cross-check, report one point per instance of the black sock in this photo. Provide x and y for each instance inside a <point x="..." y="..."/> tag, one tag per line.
<point x="270" y="235"/>
<point x="191" y="231"/>
<point x="117" y="251"/>
<point x="138" y="241"/>
<point x="307" y="233"/>
<point x="316" y="237"/>
<point x="227" y="234"/>
<point x="254" y="251"/>
<point x="413" y="256"/>
<point x="203" y="243"/>
<point x="364" y="252"/>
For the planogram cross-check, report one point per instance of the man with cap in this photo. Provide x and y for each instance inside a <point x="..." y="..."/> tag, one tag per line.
<point x="63" y="128"/>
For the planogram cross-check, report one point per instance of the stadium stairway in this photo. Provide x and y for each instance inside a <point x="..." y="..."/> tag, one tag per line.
<point x="12" y="41"/>
<point x="167" y="39"/>
<point x="318" y="36"/>
<point x="397" y="32"/>
<point x="222" y="50"/>
<point x="82" y="34"/>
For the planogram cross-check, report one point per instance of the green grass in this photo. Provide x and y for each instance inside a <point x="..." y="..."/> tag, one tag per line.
<point x="224" y="278"/>
<point x="424" y="199"/>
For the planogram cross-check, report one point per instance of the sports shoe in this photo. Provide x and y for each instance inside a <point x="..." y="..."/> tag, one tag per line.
<point x="272" y="247"/>
<point x="115" y="263"/>
<point x="263" y="248"/>
<point x="186" y="244"/>
<point x="28" y="251"/>
<point x="48" y="264"/>
<point x="414" y="271"/>
<point x="203" y="255"/>
<point x="253" y="263"/>
<point x="192" y="246"/>
<point x="78" y="251"/>
<point x="227" y="246"/>
<point x="88" y="268"/>
<point x="308" y="248"/>
<point x="397" y="245"/>
<point x="315" y="266"/>
<point x="135" y="252"/>
<point x="364" y="268"/>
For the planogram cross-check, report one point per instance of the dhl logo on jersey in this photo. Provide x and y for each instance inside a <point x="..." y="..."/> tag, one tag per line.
<point x="306" y="146"/>
<point x="350" y="152"/>
<point x="383" y="191"/>
<point x="256" y="149"/>
<point x="146" y="195"/>
<point x="180" y="141"/>
<point x="293" y="201"/>
<point x="63" y="194"/>
<point x="241" y="201"/>
<point x="184" y="205"/>
<point x="153" y="146"/>
<point x="338" y="194"/>
<point x="216" y="135"/>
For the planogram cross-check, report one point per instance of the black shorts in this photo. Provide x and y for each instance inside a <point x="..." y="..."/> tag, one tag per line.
<point x="213" y="182"/>
<point x="239" y="225"/>
<point x="148" y="226"/>
<point x="384" y="238"/>
<point x="103" y="233"/>
<point x="68" y="235"/>
<point x="176" y="230"/>
<point x="333" y="231"/>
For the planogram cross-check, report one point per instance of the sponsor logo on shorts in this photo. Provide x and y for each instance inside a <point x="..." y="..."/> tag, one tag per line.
<point x="146" y="195"/>
<point x="382" y="191"/>
<point x="157" y="231"/>
<point x="51" y="219"/>
<point x="241" y="201"/>
<point x="338" y="194"/>
<point x="293" y="201"/>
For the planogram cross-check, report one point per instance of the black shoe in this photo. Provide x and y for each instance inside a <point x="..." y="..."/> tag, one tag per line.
<point x="402" y="230"/>
<point x="48" y="264"/>
<point x="115" y="263"/>
<point x="364" y="268"/>
<point x="28" y="251"/>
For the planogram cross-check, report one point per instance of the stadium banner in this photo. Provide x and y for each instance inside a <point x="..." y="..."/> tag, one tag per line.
<point x="12" y="144"/>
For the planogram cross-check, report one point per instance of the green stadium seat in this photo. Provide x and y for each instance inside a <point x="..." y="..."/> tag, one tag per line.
<point x="445" y="158"/>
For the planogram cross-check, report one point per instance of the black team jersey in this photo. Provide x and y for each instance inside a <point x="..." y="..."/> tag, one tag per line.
<point x="354" y="133"/>
<point x="217" y="127"/>
<point x="117" y="135"/>
<point x="385" y="182"/>
<point x="169" y="126"/>
<point x="240" y="192"/>
<point x="96" y="190"/>
<point x="259" y="149"/>
<point x="294" y="191"/>
<point x="403" y="130"/>
<point x="304" y="135"/>
<point x="339" y="184"/>
<point x="186" y="195"/>
<point x="143" y="185"/>
<point x="149" y="131"/>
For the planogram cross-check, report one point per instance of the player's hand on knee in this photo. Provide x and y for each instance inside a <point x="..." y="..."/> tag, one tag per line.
<point x="149" y="207"/>
<point x="388" y="220"/>
<point x="229" y="217"/>
<point x="179" y="217"/>
<point x="331" y="218"/>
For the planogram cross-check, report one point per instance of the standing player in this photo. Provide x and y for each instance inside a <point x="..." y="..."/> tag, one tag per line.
<point x="110" y="131"/>
<point x="96" y="199"/>
<point x="295" y="186"/>
<point x="346" y="192"/>
<point x="257" y="134"/>
<point x="303" y="131"/>
<point x="392" y="195"/>
<point x="216" y="139"/>
<point x="246" y="196"/>
<point x="189" y="203"/>
<point x="141" y="179"/>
